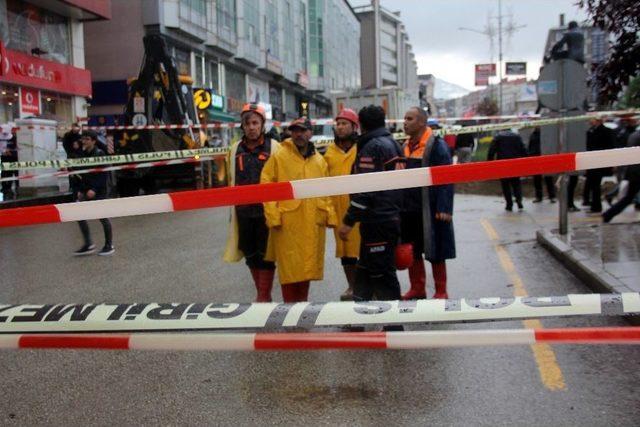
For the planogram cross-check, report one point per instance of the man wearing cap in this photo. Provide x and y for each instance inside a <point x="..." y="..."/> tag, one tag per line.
<point x="297" y="227"/>
<point x="93" y="186"/>
<point x="248" y="233"/>
<point x="340" y="156"/>
<point x="427" y="212"/>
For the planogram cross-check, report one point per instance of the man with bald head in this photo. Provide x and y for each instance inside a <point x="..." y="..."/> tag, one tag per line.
<point x="427" y="214"/>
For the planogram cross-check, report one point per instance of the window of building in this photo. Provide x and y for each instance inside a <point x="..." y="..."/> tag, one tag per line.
<point x="28" y="28"/>
<point x="214" y="76"/>
<point x="273" y="39"/>
<point x="56" y="107"/>
<point x="252" y="22"/>
<point x="183" y="61"/>
<point x="199" y="80"/>
<point x="235" y="85"/>
<point x="226" y="13"/>
<point x="316" y="48"/>
<point x="9" y="103"/>
<point x="303" y="36"/>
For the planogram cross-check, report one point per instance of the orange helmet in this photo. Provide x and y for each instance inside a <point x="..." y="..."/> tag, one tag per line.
<point x="350" y="115"/>
<point x="254" y="108"/>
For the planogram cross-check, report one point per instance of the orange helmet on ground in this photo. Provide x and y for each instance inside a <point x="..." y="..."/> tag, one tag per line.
<point x="254" y="108"/>
<point x="350" y="115"/>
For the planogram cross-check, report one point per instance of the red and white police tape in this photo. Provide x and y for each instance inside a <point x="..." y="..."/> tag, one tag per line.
<point x="325" y="341"/>
<point x="308" y="188"/>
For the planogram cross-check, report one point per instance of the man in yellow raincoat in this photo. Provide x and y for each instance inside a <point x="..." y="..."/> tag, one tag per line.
<point x="248" y="233"/>
<point x="297" y="227"/>
<point x="340" y="156"/>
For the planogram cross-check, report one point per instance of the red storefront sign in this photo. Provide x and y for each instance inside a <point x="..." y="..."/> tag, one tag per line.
<point x="26" y="70"/>
<point x="29" y="102"/>
<point x="483" y="72"/>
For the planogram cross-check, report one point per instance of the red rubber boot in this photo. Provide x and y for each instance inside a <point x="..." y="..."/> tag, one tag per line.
<point x="265" y="284"/>
<point x="418" y="279"/>
<point x="439" y="270"/>
<point x="289" y="293"/>
<point x="255" y="273"/>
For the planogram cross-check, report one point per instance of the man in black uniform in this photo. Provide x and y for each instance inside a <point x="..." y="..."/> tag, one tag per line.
<point x="508" y="145"/>
<point x="248" y="232"/>
<point x="599" y="137"/>
<point x="93" y="186"/>
<point x="536" y="150"/>
<point x="378" y="212"/>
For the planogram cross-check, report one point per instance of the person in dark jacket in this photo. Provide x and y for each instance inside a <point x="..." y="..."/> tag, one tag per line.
<point x="378" y="212"/>
<point x="508" y="145"/>
<point x="93" y="186"/>
<point x="632" y="174"/>
<point x="628" y="125"/>
<point x="571" y="45"/>
<point x="8" y="154"/>
<point x="427" y="212"/>
<point x="535" y="150"/>
<point x="464" y="144"/>
<point x="599" y="137"/>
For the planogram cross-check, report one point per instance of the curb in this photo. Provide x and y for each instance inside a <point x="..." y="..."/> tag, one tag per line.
<point x="38" y="200"/>
<point x="590" y="273"/>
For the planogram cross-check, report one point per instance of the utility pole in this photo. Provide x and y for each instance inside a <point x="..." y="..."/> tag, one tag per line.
<point x="490" y="32"/>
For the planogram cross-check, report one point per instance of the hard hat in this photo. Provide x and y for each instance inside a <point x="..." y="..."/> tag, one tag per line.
<point x="301" y="123"/>
<point x="350" y="115"/>
<point x="254" y="108"/>
<point x="404" y="256"/>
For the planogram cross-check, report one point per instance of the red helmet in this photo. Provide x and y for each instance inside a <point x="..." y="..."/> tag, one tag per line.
<point x="404" y="256"/>
<point x="350" y="115"/>
<point x="254" y="108"/>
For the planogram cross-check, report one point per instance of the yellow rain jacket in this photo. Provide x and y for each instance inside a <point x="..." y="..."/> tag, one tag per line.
<point x="341" y="163"/>
<point x="297" y="227"/>
<point x="231" y="251"/>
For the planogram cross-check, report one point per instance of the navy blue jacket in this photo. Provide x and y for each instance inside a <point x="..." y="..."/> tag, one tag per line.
<point x="94" y="181"/>
<point x="507" y="145"/>
<point x="377" y="152"/>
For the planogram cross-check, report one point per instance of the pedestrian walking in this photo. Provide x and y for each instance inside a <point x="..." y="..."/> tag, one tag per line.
<point x="248" y="232"/>
<point x="340" y="157"/>
<point x="427" y="214"/>
<point x="88" y="187"/>
<point x="632" y="175"/>
<point x="534" y="149"/>
<point x="464" y="143"/>
<point x="297" y="227"/>
<point x="628" y="125"/>
<point x="508" y="145"/>
<point x="599" y="137"/>
<point x="377" y="212"/>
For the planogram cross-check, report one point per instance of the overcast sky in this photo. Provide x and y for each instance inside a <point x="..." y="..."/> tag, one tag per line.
<point x="450" y="54"/>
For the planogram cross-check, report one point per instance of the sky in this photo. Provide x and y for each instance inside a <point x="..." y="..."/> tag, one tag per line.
<point x="448" y="53"/>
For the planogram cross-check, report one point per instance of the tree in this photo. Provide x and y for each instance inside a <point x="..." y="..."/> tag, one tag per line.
<point x="487" y="107"/>
<point x="621" y="18"/>
<point x="631" y="97"/>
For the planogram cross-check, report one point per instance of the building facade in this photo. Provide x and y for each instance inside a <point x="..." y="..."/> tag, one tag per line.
<point x="43" y="57"/>
<point x="387" y="56"/>
<point x="244" y="50"/>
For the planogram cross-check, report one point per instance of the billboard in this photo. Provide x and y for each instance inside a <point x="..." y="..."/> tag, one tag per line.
<point x="516" y="68"/>
<point x="483" y="72"/>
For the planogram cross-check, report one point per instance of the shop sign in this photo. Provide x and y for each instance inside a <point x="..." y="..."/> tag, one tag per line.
<point x="29" y="102"/>
<point x="202" y="99"/>
<point x="26" y="70"/>
<point x="483" y="72"/>
<point x="516" y="68"/>
<point x="234" y="105"/>
<point x="217" y="101"/>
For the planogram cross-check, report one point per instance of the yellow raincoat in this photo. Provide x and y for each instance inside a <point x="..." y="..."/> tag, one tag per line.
<point x="340" y="163"/>
<point x="297" y="227"/>
<point x="231" y="251"/>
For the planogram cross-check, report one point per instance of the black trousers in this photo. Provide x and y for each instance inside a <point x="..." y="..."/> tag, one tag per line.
<point x="106" y="227"/>
<point x="592" y="190"/>
<point x="376" y="269"/>
<point x="620" y="205"/>
<point x="548" y="181"/>
<point x="509" y="185"/>
<point x="253" y="235"/>
<point x="571" y="190"/>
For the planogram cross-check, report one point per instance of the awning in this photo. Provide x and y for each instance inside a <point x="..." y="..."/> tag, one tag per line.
<point x="219" y="116"/>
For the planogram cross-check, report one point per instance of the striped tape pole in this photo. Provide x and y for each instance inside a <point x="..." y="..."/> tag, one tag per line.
<point x="319" y="187"/>
<point x="414" y="340"/>
<point x="174" y="317"/>
<point x="180" y="154"/>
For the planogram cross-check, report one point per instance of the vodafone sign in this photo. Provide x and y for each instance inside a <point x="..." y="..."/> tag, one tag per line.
<point x="29" y="102"/>
<point x="26" y="70"/>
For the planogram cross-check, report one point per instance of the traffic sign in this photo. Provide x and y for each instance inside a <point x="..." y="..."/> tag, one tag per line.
<point x="139" y="120"/>
<point x="562" y="85"/>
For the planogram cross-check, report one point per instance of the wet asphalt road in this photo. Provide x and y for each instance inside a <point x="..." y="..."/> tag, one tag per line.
<point x="177" y="257"/>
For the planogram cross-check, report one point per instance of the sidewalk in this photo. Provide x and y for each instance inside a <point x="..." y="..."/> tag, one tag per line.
<point x="606" y="257"/>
